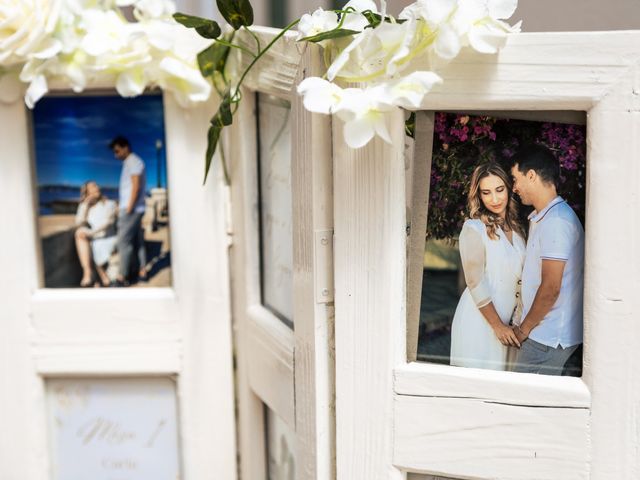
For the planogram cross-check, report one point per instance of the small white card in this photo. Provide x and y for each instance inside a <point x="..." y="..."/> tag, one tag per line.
<point x="113" y="429"/>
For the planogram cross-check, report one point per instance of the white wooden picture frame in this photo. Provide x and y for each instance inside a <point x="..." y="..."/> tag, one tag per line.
<point x="182" y="331"/>
<point x="469" y="423"/>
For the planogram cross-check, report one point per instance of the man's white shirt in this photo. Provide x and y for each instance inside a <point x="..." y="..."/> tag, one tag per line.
<point x="555" y="233"/>
<point x="132" y="165"/>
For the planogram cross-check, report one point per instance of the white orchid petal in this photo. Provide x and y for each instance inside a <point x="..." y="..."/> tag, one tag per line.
<point x="358" y="132"/>
<point x="404" y="50"/>
<point x="409" y="91"/>
<point x="502" y="9"/>
<point x="343" y="58"/>
<point x="184" y="81"/>
<point x="437" y="11"/>
<point x="516" y="28"/>
<point x="48" y="48"/>
<point x="355" y="102"/>
<point x="160" y="35"/>
<point x="37" y="89"/>
<point x="486" y="38"/>
<point x="381" y="128"/>
<point x="467" y="14"/>
<point x="131" y="83"/>
<point x="318" y="22"/>
<point x="355" y="21"/>
<point x="320" y="96"/>
<point x="447" y="44"/>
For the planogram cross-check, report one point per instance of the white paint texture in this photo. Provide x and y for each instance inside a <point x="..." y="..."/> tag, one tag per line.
<point x="483" y="425"/>
<point x="289" y="371"/>
<point x="183" y="331"/>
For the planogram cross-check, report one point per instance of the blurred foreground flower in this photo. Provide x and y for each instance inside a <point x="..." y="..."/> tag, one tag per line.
<point x="76" y="42"/>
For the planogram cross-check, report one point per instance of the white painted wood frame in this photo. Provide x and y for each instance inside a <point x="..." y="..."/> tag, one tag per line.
<point x="290" y="371"/>
<point x="394" y="416"/>
<point x="183" y="331"/>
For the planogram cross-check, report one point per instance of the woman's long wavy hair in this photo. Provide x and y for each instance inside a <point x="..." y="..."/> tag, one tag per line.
<point x="84" y="191"/>
<point x="479" y="211"/>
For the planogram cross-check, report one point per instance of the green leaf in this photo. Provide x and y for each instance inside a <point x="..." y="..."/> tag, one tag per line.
<point x="335" y="33"/>
<point x="213" y="136"/>
<point x="211" y="30"/>
<point x="213" y="58"/>
<point x="224" y="115"/>
<point x="410" y="125"/>
<point x="222" y="118"/>
<point x="206" y="28"/>
<point x="373" y="18"/>
<point x="238" y="13"/>
<point x="376" y="19"/>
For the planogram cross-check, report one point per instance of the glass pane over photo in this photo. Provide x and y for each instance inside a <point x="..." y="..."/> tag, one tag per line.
<point x="276" y="236"/>
<point x="103" y="213"/>
<point x="486" y="243"/>
<point x="280" y="447"/>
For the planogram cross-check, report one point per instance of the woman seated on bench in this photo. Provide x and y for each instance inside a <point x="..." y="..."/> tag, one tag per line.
<point x="96" y="234"/>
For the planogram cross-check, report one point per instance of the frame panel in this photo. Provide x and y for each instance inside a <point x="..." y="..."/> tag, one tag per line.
<point x="183" y="330"/>
<point x="470" y="438"/>
<point x="594" y="72"/>
<point x="291" y="371"/>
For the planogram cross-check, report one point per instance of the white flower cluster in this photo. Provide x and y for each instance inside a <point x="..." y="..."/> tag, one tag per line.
<point x="394" y="58"/>
<point x="80" y="41"/>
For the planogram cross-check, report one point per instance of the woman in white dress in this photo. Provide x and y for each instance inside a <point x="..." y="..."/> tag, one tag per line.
<point x="96" y="233"/>
<point x="492" y="248"/>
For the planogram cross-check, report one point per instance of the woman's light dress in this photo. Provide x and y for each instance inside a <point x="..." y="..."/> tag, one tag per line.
<point x="492" y="270"/>
<point x="101" y="218"/>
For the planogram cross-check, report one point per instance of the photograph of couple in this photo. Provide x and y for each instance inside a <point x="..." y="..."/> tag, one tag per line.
<point x="102" y="223"/>
<point x="521" y="250"/>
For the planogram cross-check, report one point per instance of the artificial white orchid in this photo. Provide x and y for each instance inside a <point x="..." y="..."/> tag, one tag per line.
<point x="382" y="53"/>
<point x="408" y="91"/>
<point x="365" y="115"/>
<point x="80" y="41"/>
<point x="317" y="22"/>
<point x="454" y="24"/>
<point x="320" y="96"/>
<point x="364" y="110"/>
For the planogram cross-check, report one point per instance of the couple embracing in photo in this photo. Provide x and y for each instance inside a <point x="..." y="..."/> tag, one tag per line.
<point x="522" y="308"/>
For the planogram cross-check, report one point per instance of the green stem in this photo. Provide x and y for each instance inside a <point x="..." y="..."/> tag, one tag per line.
<point x="266" y="49"/>
<point x="257" y="39"/>
<point x="233" y="45"/>
<point x="227" y="180"/>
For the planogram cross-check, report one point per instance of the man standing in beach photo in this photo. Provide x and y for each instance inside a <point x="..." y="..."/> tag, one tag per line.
<point x="131" y="210"/>
<point x="552" y="278"/>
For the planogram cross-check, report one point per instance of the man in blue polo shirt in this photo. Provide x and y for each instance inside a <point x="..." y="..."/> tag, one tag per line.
<point x="552" y="278"/>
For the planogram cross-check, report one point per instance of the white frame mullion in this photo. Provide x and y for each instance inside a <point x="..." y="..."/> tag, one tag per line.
<point x="312" y="186"/>
<point x="370" y="329"/>
<point x="290" y="371"/>
<point x="245" y="280"/>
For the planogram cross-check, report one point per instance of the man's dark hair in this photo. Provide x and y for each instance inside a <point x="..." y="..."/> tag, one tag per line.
<point x="120" y="141"/>
<point x="539" y="159"/>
